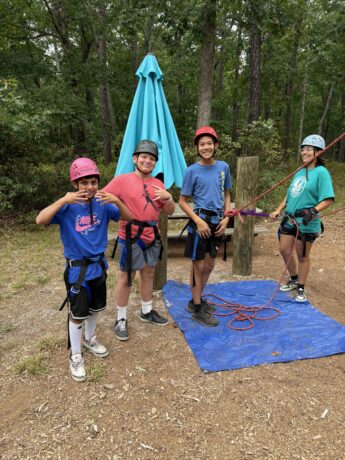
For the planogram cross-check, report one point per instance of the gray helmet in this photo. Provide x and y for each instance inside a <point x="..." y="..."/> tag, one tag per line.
<point x="146" y="146"/>
<point x="314" y="140"/>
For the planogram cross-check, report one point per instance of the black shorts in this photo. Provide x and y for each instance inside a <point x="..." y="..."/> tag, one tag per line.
<point x="288" y="230"/>
<point x="197" y="247"/>
<point x="89" y="300"/>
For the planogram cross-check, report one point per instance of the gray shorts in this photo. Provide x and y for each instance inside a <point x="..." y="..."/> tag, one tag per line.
<point x="140" y="257"/>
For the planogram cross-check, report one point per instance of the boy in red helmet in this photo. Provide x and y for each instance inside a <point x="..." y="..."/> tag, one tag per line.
<point x="208" y="182"/>
<point x="83" y="217"/>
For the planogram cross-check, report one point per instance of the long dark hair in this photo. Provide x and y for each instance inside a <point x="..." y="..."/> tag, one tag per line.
<point x="319" y="160"/>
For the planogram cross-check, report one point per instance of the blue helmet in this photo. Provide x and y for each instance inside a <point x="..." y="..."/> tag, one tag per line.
<point x="314" y="140"/>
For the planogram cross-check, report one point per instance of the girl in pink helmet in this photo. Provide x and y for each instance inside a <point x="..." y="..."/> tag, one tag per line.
<point x="83" y="217"/>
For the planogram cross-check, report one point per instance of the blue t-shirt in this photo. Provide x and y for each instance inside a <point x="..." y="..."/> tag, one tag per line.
<point x="80" y="238"/>
<point x="303" y="193"/>
<point x="206" y="184"/>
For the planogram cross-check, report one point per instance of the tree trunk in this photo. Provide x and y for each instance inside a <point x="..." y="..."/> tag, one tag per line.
<point x="206" y="63"/>
<point x="290" y="84"/>
<point x="254" y="69"/>
<point x="301" y="119"/>
<point x="341" y="154"/>
<point x="247" y="177"/>
<point x="235" y="103"/>
<point x="327" y="106"/>
<point x="106" y="108"/>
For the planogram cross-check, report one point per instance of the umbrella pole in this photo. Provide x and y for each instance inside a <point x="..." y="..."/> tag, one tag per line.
<point x="160" y="277"/>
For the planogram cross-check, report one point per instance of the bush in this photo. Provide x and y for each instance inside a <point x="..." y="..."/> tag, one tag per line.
<point x="261" y="139"/>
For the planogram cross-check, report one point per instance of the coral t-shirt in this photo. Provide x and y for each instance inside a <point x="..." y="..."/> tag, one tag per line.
<point x="138" y="195"/>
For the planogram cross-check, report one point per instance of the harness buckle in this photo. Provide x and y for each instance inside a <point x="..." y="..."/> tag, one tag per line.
<point x="74" y="291"/>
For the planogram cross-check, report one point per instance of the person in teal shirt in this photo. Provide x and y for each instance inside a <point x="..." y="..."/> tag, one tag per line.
<point x="310" y="192"/>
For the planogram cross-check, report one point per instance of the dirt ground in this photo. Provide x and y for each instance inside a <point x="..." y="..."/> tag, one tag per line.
<point x="148" y="399"/>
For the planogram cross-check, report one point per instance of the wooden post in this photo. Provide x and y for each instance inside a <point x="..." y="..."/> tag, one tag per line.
<point x="160" y="277"/>
<point x="247" y="177"/>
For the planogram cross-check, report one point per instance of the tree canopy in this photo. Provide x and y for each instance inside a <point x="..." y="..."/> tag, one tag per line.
<point x="67" y="77"/>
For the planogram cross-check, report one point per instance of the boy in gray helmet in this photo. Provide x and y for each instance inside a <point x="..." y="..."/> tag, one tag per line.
<point x="139" y="240"/>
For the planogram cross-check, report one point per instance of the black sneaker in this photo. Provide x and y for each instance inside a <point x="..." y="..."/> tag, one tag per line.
<point x="301" y="295"/>
<point x="204" y="306"/>
<point x="205" y="318"/>
<point x="121" y="329"/>
<point x="154" y="318"/>
<point x="207" y="307"/>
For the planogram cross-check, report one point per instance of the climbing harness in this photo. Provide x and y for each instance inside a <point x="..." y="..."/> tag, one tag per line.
<point x="75" y="288"/>
<point x="129" y="241"/>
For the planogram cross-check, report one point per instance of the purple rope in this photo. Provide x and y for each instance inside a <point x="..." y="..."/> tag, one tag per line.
<point x="252" y="212"/>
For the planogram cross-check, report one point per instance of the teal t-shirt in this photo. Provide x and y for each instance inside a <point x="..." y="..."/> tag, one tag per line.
<point x="304" y="193"/>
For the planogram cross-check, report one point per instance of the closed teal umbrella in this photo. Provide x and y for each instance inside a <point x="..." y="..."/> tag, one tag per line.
<point x="150" y="118"/>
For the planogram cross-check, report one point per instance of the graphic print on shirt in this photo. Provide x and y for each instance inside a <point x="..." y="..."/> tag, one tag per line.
<point x="147" y="197"/>
<point x="221" y="187"/>
<point x="298" y="186"/>
<point x="83" y="223"/>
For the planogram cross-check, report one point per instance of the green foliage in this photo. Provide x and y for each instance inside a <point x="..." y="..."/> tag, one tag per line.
<point x="50" y="81"/>
<point x="261" y="139"/>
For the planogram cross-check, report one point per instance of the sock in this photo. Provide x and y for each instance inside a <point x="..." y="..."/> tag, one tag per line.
<point x="146" y="307"/>
<point x="301" y="286"/>
<point x="121" y="312"/>
<point x="294" y="277"/>
<point x="197" y="307"/>
<point x="90" y="325"/>
<point x="75" y="337"/>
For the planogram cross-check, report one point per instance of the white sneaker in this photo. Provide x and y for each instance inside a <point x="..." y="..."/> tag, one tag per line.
<point x="76" y="365"/>
<point x="95" y="347"/>
<point x="289" y="286"/>
<point x="301" y="295"/>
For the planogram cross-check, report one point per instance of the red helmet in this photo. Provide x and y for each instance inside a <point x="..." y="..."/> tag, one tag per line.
<point x="82" y="167"/>
<point x="205" y="131"/>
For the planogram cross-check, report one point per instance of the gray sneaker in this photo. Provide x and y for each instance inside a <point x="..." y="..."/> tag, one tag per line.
<point x="301" y="295"/>
<point x="289" y="286"/>
<point x="205" y="318"/>
<point x="204" y="306"/>
<point x="121" y="329"/>
<point x="95" y="347"/>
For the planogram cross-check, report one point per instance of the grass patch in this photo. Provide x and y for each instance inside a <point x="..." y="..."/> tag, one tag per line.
<point x="6" y="328"/>
<point x="51" y="343"/>
<point x="43" y="279"/>
<point x="31" y="258"/>
<point x="33" y="365"/>
<point x="95" y="372"/>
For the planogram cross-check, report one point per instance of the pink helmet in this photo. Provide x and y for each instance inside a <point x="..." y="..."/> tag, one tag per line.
<point x="205" y="131"/>
<point x="82" y="167"/>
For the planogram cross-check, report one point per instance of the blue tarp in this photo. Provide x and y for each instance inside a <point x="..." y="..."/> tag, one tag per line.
<point x="300" y="332"/>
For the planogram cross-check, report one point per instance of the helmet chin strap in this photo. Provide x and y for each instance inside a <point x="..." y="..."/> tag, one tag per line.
<point x="142" y="172"/>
